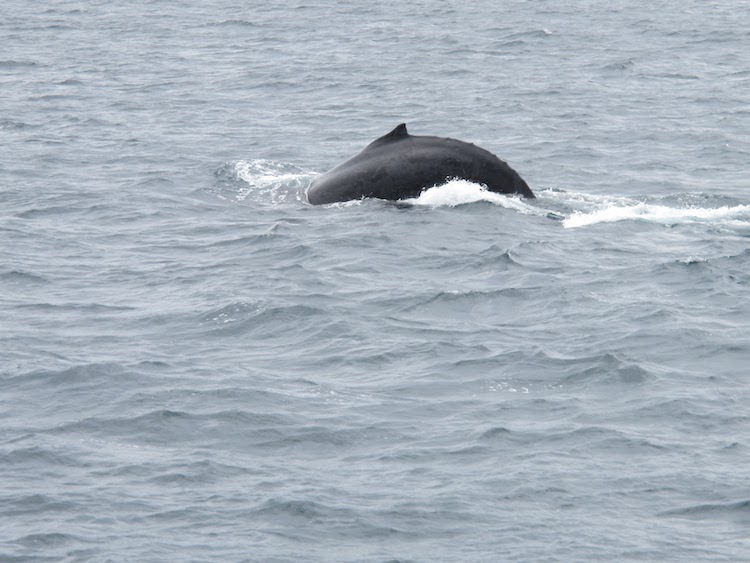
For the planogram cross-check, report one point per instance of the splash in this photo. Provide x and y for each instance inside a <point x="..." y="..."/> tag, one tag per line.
<point x="263" y="179"/>
<point x="461" y="192"/>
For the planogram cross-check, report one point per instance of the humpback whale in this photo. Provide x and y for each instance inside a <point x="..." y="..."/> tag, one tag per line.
<point x="400" y="166"/>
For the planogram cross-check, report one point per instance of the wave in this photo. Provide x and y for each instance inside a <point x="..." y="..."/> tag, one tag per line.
<point x="739" y="510"/>
<point x="13" y="124"/>
<point x="9" y="63"/>
<point x="231" y="23"/>
<point x="22" y="278"/>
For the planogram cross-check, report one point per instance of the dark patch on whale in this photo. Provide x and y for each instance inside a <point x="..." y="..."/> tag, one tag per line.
<point x="401" y="166"/>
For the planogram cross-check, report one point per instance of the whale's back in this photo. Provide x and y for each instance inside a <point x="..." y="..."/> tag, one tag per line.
<point x="399" y="166"/>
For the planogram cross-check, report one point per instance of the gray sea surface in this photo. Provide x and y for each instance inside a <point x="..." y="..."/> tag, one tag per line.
<point x="198" y="365"/>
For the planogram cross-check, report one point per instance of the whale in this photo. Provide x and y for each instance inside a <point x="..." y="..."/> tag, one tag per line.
<point x="401" y="166"/>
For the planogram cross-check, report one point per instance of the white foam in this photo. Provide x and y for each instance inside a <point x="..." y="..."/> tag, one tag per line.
<point x="263" y="172"/>
<point x="270" y="177"/>
<point x="656" y="213"/>
<point x="345" y="204"/>
<point x="583" y="200"/>
<point x="460" y="192"/>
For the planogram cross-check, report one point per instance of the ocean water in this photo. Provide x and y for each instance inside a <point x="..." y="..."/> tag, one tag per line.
<point x="197" y="365"/>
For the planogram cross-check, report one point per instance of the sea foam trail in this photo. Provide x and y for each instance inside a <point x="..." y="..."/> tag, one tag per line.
<point x="657" y="213"/>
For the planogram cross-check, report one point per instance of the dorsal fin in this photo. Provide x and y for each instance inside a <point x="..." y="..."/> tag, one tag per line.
<point x="397" y="133"/>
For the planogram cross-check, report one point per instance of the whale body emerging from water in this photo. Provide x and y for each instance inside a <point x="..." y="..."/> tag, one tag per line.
<point x="401" y="166"/>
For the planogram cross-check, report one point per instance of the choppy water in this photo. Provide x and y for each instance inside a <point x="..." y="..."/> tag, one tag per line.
<point x="197" y="365"/>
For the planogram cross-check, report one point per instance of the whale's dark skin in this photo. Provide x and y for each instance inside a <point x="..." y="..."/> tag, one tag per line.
<point x="401" y="166"/>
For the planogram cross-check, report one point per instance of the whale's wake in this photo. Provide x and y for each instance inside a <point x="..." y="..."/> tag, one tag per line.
<point x="576" y="210"/>
<point x="584" y="210"/>
<point x="266" y="181"/>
